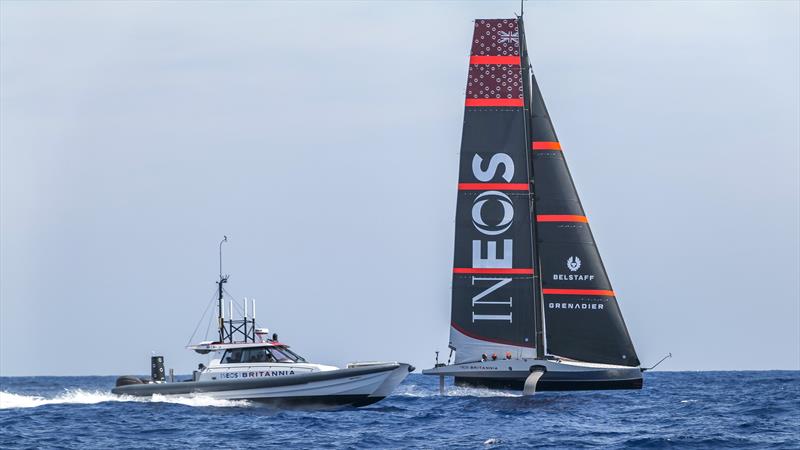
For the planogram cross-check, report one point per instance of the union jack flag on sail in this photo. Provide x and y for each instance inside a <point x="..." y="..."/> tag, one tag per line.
<point x="507" y="38"/>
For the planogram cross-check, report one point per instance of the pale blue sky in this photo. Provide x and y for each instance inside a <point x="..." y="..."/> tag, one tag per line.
<point x="323" y="139"/>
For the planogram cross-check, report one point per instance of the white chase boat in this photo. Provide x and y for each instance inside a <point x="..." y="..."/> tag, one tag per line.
<point x="248" y="364"/>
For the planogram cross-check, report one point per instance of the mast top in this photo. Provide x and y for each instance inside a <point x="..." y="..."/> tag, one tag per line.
<point x="224" y="240"/>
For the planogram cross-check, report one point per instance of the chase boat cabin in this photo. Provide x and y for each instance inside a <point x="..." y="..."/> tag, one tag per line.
<point x="259" y="357"/>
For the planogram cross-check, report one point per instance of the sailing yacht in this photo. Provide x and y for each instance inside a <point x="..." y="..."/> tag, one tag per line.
<point x="532" y="305"/>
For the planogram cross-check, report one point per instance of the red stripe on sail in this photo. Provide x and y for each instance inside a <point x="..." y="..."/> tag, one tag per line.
<point x="542" y="145"/>
<point x="485" y="270"/>
<point x="560" y="218"/>
<point x="493" y="102"/>
<point x="514" y="60"/>
<point x="493" y="186"/>
<point x="578" y="292"/>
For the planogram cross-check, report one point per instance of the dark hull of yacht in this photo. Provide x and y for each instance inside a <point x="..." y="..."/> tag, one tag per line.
<point x="607" y="379"/>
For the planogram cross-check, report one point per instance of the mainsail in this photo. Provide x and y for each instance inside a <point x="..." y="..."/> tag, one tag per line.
<point x="493" y="268"/>
<point x="512" y="169"/>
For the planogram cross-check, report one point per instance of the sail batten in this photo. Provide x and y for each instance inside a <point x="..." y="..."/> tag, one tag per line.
<point x="561" y="218"/>
<point x="484" y="270"/>
<point x="512" y="60"/>
<point x="495" y="186"/>
<point x="545" y="145"/>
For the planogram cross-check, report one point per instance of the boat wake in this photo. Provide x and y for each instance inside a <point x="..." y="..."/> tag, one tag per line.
<point x="199" y="400"/>
<point x="77" y="396"/>
<point x="413" y="390"/>
<point x="9" y="400"/>
<point x="460" y="391"/>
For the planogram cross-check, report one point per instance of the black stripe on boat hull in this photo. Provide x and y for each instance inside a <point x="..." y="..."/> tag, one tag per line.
<point x="554" y="381"/>
<point x="318" y="401"/>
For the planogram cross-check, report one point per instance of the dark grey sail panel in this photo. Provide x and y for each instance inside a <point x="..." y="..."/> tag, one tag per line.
<point x="558" y="194"/>
<point x="487" y="132"/>
<point x="492" y="269"/>
<point x="582" y="316"/>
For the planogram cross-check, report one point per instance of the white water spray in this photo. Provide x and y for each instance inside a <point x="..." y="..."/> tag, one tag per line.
<point x="10" y="400"/>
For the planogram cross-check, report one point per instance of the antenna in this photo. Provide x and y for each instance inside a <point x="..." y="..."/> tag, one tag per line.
<point x="224" y="240"/>
<point x="521" y="8"/>
<point x="222" y="279"/>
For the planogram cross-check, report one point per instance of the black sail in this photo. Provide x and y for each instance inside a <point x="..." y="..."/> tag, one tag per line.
<point x="582" y="317"/>
<point x="492" y="308"/>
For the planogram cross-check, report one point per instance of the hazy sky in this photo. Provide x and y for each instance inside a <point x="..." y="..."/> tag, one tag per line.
<point x="323" y="139"/>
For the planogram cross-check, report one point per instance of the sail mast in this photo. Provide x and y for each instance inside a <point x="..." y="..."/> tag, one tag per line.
<point x="538" y="316"/>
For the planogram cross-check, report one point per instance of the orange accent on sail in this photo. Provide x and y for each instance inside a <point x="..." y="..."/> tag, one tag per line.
<point x="493" y="102"/>
<point x="541" y="145"/>
<point x="492" y="186"/>
<point x="483" y="270"/>
<point x="560" y="218"/>
<point x="494" y="60"/>
<point x="578" y="292"/>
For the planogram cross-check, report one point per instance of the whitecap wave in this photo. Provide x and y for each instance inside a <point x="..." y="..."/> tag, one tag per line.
<point x="10" y="400"/>
<point x="412" y="390"/>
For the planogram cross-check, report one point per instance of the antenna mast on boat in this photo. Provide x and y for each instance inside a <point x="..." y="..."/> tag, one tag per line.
<point x="222" y="280"/>
<point x="230" y="329"/>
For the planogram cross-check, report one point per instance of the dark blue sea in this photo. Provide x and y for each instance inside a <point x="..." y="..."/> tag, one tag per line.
<point x="674" y="410"/>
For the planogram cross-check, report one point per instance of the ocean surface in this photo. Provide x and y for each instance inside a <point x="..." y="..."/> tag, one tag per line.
<point x="674" y="410"/>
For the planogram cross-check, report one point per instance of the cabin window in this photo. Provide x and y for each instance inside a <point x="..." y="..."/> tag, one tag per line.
<point x="282" y="355"/>
<point x="232" y="356"/>
<point x="256" y="355"/>
<point x="247" y="356"/>
<point x="294" y="355"/>
<point x="260" y="355"/>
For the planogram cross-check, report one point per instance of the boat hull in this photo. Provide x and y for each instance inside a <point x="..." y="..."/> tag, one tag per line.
<point x="558" y="376"/>
<point x="319" y="401"/>
<point x="559" y="381"/>
<point x="359" y="386"/>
